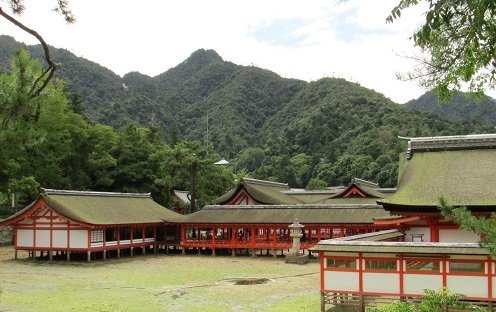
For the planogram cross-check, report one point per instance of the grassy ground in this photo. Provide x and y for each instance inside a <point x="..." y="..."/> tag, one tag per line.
<point x="157" y="283"/>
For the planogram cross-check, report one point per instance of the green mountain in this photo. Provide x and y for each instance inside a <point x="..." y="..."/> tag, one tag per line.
<point x="281" y="129"/>
<point x="462" y="106"/>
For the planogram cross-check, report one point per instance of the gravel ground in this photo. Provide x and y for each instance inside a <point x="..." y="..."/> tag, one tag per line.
<point x="157" y="283"/>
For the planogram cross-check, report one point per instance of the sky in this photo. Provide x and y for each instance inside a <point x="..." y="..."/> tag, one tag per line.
<point x="306" y="40"/>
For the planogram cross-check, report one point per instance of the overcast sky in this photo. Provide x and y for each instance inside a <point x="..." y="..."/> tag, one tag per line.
<point x="296" y="39"/>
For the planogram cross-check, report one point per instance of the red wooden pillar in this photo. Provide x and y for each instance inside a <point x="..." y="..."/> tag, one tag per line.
<point x="143" y="248"/>
<point x="155" y="243"/>
<point x="51" y="235"/>
<point x="321" y="259"/>
<point x="68" y="235"/>
<point x="34" y="237"/>
<point x="183" y="233"/>
<point x="444" y="264"/>
<point x="360" y="273"/>
<point x="490" y="275"/>
<point x="131" y="236"/>
<point x="434" y="231"/>
<point x="233" y="235"/>
<point x="118" y="242"/>
<point x="104" y="243"/>
<point x="402" y="271"/>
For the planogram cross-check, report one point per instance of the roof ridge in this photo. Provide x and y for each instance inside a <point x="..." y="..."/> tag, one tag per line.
<point x="296" y="206"/>
<point x="452" y="142"/>
<point x="364" y="182"/>
<point x="49" y="192"/>
<point x="264" y="182"/>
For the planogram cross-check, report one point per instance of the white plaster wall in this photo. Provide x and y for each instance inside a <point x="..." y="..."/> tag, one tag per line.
<point x="381" y="282"/>
<point x="59" y="238"/>
<point x="346" y="281"/>
<point x="458" y="236"/>
<point x="493" y="280"/>
<point x="414" y="284"/>
<point x="42" y="238"/>
<point x="472" y="286"/>
<point x="418" y="230"/>
<point x="79" y="239"/>
<point x="25" y="238"/>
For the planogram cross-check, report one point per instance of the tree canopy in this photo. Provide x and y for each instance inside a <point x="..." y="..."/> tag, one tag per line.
<point x="63" y="150"/>
<point x="459" y="40"/>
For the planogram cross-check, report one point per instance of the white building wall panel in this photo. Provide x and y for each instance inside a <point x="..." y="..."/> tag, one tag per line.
<point x="381" y="283"/>
<point x="458" y="236"/>
<point x="59" y="239"/>
<point x="414" y="284"/>
<point x="79" y="239"/>
<point x="345" y="281"/>
<point x="471" y="286"/>
<point x="42" y="238"/>
<point x="25" y="238"/>
<point x="493" y="280"/>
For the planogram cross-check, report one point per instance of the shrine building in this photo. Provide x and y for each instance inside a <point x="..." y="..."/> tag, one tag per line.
<point x="91" y="223"/>
<point x="428" y="251"/>
<point x="256" y="214"/>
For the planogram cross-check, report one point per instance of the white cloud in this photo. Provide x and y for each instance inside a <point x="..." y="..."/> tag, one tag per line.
<point x="296" y="39"/>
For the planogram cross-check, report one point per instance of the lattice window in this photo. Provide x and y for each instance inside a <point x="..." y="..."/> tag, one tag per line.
<point x="422" y="266"/>
<point x="341" y="264"/>
<point x="97" y="236"/>
<point x="381" y="265"/>
<point x="466" y="267"/>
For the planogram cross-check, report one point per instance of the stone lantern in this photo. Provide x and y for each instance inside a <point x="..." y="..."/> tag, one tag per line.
<point x="294" y="255"/>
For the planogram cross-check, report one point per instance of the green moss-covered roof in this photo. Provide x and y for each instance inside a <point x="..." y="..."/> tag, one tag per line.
<point x="335" y="245"/>
<point x="98" y="208"/>
<point x="284" y="214"/>
<point x="264" y="192"/>
<point x="463" y="177"/>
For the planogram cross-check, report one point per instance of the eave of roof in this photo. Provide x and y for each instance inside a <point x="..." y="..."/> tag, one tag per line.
<point x="333" y="245"/>
<point x="285" y="214"/>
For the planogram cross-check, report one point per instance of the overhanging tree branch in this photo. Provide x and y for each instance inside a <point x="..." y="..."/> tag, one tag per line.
<point x="41" y="82"/>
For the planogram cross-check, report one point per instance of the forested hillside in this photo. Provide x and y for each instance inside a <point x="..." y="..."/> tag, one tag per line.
<point x="306" y="134"/>
<point x="461" y="107"/>
<point x="333" y="130"/>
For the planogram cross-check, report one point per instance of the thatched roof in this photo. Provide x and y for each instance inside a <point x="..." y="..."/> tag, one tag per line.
<point x="104" y="208"/>
<point x="286" y="214"/>
<point x="264" y="192"/>
<point x="464" y="174"/>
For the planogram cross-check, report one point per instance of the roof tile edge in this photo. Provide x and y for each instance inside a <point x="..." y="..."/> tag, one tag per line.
<point x="49" y="192"/>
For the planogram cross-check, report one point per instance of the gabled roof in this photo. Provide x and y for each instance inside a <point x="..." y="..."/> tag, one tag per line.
<point x="360" y="188"/>
<point x="103" y="208"/>
<point x="358" y="192"/>
<point x="264" y="192"/>
<point x="286" y="214"/>
<point x="463" y="172"/>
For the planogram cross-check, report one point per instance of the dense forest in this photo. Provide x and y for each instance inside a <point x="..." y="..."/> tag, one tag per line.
<point x="462" y="106"/>
<point x="137" y="133"/>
